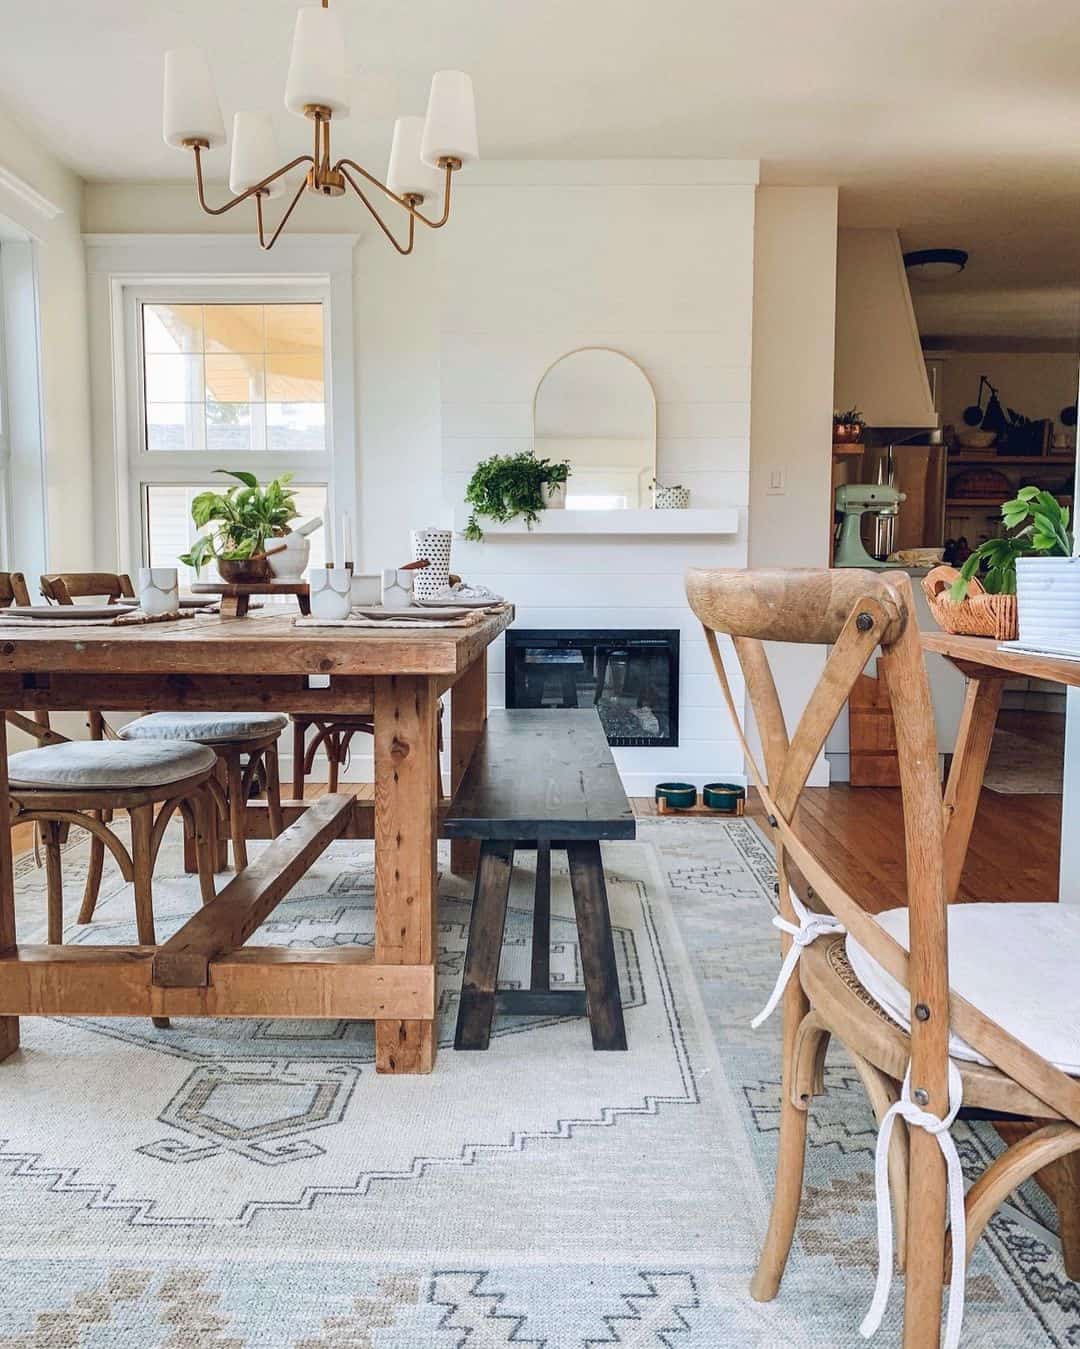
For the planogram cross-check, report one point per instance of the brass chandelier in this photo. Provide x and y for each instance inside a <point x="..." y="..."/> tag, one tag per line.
<point x="425" y="153"/>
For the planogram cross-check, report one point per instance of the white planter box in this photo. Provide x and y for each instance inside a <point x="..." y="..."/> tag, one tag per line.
<point x="1048" y="600"/>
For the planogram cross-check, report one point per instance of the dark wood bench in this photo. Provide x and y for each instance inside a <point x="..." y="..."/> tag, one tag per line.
<point x="541" y="779"/>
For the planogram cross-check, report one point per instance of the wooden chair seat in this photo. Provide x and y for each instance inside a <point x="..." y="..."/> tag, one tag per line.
<point x="108" y="765"/>
<point x="843" y="1004"/>
<point x="206" y="728"/>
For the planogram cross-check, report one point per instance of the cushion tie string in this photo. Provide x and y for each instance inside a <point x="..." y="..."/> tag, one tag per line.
<point x="906" y="1109"/>
<point x="811" y="926"/>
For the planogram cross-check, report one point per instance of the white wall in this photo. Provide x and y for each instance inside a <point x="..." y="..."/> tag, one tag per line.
<point x="655" y="260"/>
<point x="791" y="419"/>
<point x="53" y="220"/>
<point x="1038" y="384"/>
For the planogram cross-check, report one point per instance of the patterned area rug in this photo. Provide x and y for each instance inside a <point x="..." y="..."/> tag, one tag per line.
<point x="225" y="1185"/>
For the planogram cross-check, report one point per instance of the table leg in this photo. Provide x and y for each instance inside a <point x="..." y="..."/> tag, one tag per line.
<point x="468" y="716"/>
<point x="981" y="703"/>
<point x="9" y="1025"/>
<point x="406" y="828"/>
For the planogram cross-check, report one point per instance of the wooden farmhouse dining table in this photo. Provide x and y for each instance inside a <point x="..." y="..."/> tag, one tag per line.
<point x="263" y="663"/>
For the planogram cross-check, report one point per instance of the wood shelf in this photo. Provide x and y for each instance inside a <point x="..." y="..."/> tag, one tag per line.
<point x="1011" y="460"/>
<point x="958" y="503"/>
<point x="847" y="449"/>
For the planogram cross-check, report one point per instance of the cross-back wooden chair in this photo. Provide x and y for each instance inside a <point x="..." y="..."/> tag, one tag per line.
<point x="67" y="784"/>
<point x="245" y="743"/>
<point x="858" y="978"/>
<point x="13" y="589"/>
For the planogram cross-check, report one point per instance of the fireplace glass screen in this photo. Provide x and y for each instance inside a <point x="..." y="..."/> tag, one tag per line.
<point x="630" y="677"/>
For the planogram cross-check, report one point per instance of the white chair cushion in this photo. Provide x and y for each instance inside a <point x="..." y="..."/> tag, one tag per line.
<point x="108" y="764"/>
<point x="208" y="728"/>
<point x="1014" y="962"/>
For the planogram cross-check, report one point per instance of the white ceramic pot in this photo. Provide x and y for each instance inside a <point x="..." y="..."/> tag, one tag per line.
<point x="331" y="592"/>
<point x="397" y="588"/>
<point x="554" y="494"/>
<point x="159" y="590"/>
<point x="1048" y="600"/>
<point x="288" y="563"/>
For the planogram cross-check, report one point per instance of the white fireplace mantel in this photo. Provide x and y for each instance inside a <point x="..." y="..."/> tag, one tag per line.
<point x="628" y="524"/>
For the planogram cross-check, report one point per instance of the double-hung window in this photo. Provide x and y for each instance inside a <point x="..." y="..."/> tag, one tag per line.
<point x="221" y="379"/>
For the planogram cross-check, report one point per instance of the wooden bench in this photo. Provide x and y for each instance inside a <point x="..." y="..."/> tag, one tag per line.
<point x="541" y="779"/>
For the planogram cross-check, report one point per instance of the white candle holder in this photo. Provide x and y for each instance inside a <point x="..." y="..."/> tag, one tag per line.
<point x="159" y="590"/>
<point x="331" y="592"/>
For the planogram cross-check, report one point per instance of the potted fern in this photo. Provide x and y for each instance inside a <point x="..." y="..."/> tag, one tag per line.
<point x="236" y="524"/>
<point x="506" y="486"/>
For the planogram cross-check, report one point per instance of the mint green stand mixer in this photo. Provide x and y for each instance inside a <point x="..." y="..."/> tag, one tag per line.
<point x="853" y="501"/>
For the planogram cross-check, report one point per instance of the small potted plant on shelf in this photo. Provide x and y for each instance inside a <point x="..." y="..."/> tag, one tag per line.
<point x="847" y="426"/>
<point x="508" y="485"/>
<point x="236" y="524"/>
<point x="1024" y="583"/>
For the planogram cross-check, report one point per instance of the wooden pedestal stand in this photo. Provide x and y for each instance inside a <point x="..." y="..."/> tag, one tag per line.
<point x="236" y="596"/>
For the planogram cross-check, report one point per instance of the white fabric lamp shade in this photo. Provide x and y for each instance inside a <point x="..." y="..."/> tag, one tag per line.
<point x="317" y="65"/>
<point x="254" y="154"/>
<point x="408" y="175"/>
<point x="450" y="126"/>
<point x="191" y="108"/>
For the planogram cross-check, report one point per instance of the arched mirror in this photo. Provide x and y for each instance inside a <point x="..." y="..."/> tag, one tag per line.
<point x="596" y="408"/>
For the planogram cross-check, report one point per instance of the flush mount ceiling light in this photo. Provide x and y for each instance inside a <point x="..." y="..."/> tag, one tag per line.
<point x="425" y="153"/>
<point x="934" y="264"/>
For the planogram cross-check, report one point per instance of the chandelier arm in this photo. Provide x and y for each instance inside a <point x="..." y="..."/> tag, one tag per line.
<point x="257" y="187"/>
<point x="404" y="202"/>
<point x="403" y="249"/>
<point x="266" y="247"/>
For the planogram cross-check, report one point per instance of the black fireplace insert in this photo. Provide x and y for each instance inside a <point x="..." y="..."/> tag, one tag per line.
<point x="631" y="677"/>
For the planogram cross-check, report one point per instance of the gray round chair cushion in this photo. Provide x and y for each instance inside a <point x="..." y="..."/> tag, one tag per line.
<point x="208" y="728"/>
<point x="108" y="764"/>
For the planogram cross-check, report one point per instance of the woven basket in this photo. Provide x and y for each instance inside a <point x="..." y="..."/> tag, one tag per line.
<point x="977" y="615"/>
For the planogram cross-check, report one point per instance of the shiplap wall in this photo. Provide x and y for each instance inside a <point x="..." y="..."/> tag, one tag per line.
<point x="655" y="261"/>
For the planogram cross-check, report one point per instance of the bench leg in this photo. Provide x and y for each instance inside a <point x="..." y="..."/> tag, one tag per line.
<point x="596" y="945"/>
<point x="477" y="1007"/>
<point x="541" y="924"/>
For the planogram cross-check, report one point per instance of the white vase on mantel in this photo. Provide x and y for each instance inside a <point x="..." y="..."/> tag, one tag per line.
<point x="554" y="495"/>
<point x="1048" y="600"/>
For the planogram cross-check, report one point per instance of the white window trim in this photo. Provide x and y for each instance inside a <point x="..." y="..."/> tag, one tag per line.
<point x="124" y="271"/>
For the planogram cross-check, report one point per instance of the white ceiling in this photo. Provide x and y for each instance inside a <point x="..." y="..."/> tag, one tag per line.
<point x="956" y="121"/>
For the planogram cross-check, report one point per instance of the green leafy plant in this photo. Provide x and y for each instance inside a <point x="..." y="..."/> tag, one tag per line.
<point x="245" y="516"/>
<point x="1040" y="527"/>
<point x="852" y="417"/>
<point x="508" y="485"/>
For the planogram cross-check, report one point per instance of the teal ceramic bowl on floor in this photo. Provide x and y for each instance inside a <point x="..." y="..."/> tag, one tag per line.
<point x="678" y="795"/>
<point x="723" y="797"/>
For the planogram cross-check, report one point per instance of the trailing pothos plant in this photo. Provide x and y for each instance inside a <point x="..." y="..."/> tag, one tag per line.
<point x="1039" y="526"/>
<point x="509" y="485"/>
<point x="244" y="517"/>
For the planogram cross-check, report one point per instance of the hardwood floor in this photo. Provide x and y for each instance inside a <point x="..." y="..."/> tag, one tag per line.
<point x="858" y="833"/>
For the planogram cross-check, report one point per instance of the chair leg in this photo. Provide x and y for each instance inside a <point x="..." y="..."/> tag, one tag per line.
<point x="924" y="1278"/>
<point x="299" y="731"/>
<point x="92" y="888"/>
<point x="477" y="1007"/>
<point x="203" y="811"/>
<point x="142" y="861"/>
<point x="790" y="1158"/>
<point x="334" y="756"/>
<point x="237" y="808"/>
<point x="50" y="841"/>
<point x="273" y="790"/>
<point x="596" y="945"/>
<point x="540" y="976"/>
<point x="1066" y="1184"/>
